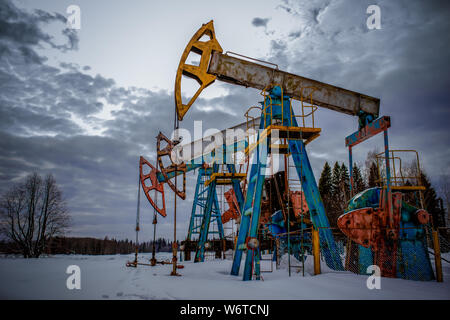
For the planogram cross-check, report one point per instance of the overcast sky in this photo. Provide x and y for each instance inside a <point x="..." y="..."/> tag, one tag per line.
<point x="85" y="104"/>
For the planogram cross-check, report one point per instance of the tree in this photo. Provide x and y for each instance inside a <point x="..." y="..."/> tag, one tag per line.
<point x="336" y="181"/>
<point x="345" y="183"/>
<point x="325" y="188"/>
<point x="374" y="177"/>
<point x="444" y="190"/>
<point x="32" y="212"/>
<point x="325" y="180"/>
<point x="431" y="202"/>
<point x="339" y="193"/>
<point x="358" y="180"/>
<point x="371" y="159"/>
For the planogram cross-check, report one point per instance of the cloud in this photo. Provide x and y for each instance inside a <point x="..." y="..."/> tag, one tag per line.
<point x="24" y="29"/>
<point x="85" y="129"/>
<point x="260" y="22"/>
<point x="402" y="64"/>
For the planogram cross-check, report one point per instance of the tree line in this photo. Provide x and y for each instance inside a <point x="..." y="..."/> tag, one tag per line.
<point x="34" y="218"/>
<point x="91" y="246"/>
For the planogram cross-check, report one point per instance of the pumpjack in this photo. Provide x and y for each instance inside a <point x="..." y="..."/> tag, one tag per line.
<point x="278" y="121"/>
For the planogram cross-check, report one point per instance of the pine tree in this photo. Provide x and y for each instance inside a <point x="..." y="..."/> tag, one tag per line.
<point x="345" y="183"/>
<point x="336" y="196"/>
<point x="335" y="181"/>
<point x="431" y="202"/>
<point x="358" y="181"/>
<point x="325" y="186"/>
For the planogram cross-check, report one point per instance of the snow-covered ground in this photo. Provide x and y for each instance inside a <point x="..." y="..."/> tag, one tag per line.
<point x="107" y="277"/>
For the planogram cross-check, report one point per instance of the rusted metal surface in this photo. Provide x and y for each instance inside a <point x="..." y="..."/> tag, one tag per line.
<point x="370" y="130"/>
<point x="250" y="74"/>
<point x="299" y="204"/>
<point x="204" y="48"/>
<point x="370" y="228"/>
<point x="154" y="185"/>
<point x="181" y="168"/>
<point x="365" y="226"/>
<point x="233" y="211"/>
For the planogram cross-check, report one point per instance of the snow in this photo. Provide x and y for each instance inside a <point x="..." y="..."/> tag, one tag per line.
<point x="107" y="277"/>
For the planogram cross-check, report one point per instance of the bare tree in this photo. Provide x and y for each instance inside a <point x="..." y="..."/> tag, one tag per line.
<point x="32" y="212"/>
<point x="371" y="159"/>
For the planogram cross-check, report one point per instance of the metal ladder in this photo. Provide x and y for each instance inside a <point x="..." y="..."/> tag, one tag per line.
<point x="199" y="205"/>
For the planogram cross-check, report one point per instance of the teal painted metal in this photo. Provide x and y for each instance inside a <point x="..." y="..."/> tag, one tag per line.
<point x="310" y="189"/>
<point x="253" y="258"/>
<point x="199" y="205"/>
<point x="245" y="219"/>
<point x="251" y="212"/>
<point x="246" y="212"/>
<point x="365" y="259"/>
<point x="367" y="198"/>
<point x="212" y="212"/>
<point x="413" y="261"/>
<point x="211" y="200"/>
<point x="315" y="205"/>
<point x="236" y="183"/>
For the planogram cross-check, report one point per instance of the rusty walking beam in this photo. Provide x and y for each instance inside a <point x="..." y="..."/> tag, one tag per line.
<point x="250" y="74"/>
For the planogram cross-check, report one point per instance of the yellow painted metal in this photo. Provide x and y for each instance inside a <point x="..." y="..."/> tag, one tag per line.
<point x="251" y="146"/>
<point x="279" y="147"/>
<point x="437" y="256"/>
<point x="408" y="188"/>
<point x="225" y="178"/>
<point x="308" y="134"/>
<point x="398" y="178"/>
<point x="311" y="105"/>
<point x="316" y="250"/>
<point x="282" y="129"/>
<point x="199" y="73"/>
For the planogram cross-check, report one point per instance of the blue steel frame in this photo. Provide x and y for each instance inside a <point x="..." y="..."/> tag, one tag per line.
<point x="248" y="228"/>
<point x="369" y="130"/>
<point x="211" y="200"/>
<point x="199" y="204"/>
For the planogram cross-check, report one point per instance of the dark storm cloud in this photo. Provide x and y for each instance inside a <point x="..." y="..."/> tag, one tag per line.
<point x="294" y="34"/>
<point x="309" y="10"/>
<point x="26" y="122"/>
<point x="404" y="64"/>
<point x="38" y="131"/>
<point x="260" y="22"/>
<point x="24" y="28"/>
